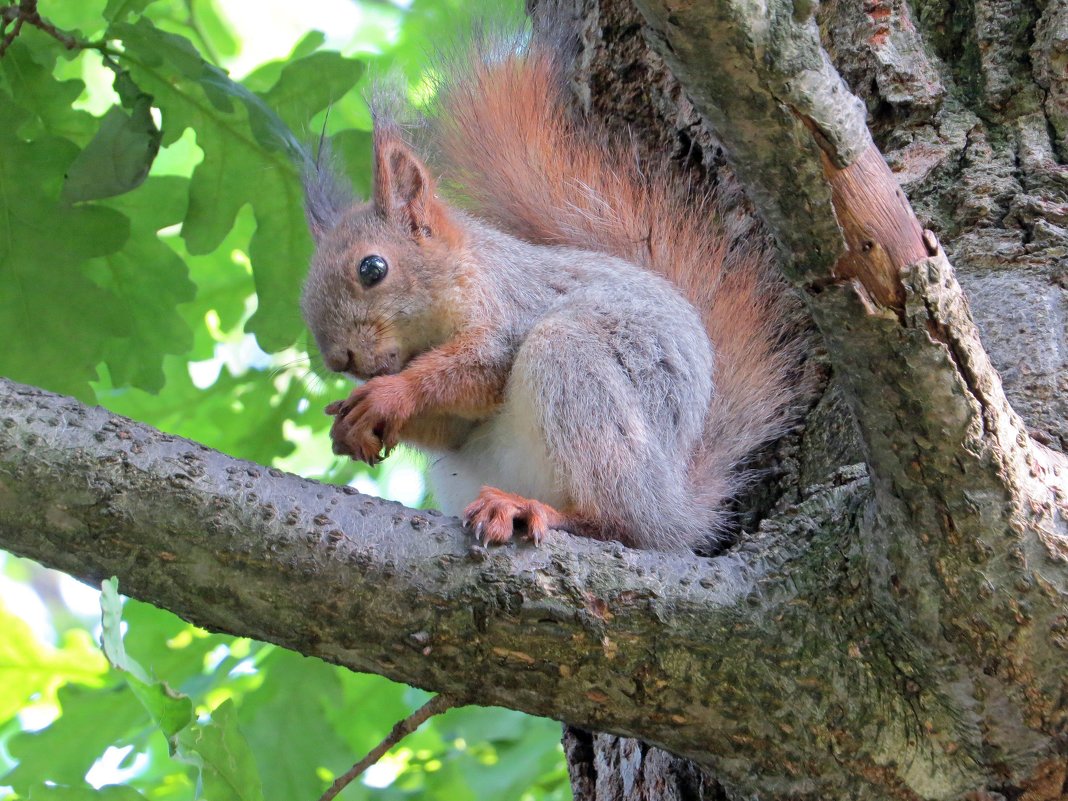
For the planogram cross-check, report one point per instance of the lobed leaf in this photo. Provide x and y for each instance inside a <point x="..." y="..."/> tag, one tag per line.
<point x="249" y="154"/>
<point x="148" y="280"/>
<point x="30" y="667"/>
<point x="171" y="711"/>
<point x="56" y="320"/>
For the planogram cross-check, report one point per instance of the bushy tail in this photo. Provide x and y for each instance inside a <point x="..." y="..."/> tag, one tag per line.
<point x="523" y="162"/>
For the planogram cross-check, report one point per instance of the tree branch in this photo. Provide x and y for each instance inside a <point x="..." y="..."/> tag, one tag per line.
<point x="760" y="76"/>
<point x="723" y="660"/>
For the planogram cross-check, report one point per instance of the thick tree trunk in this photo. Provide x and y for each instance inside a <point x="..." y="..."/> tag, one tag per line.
<point x="969" y="104"/>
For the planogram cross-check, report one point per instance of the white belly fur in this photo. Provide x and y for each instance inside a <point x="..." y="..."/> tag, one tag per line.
<point x="506" y="452"/>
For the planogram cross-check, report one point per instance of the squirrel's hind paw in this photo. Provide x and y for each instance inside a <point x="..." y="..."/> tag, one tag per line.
<point x="495" y="516"/>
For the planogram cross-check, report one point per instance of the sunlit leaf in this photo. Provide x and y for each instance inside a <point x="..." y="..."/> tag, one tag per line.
<point x="29" y="667"/>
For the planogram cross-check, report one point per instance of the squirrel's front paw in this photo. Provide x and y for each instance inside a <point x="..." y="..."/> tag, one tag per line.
<point x="366" y="424"/>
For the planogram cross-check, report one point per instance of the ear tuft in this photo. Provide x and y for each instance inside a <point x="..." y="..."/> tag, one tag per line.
<point x="326" y="193"/>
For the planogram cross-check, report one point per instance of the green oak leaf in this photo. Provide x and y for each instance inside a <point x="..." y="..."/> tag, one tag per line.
<point x="91" y="721"/>
<point x="220" y="751"/>
<point x="249" y="158"/>
<point x="55" y="320"/>
<point x="30" y="667"/>
<point x="26" y="74"/>
<point x="118" y="158"/>
<point x="237" y="168"/>
<point x="148" y="281"/>
<point x="307" y="85"/>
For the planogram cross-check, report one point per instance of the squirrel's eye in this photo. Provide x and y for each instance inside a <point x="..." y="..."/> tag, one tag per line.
<point x="372" y="270"/>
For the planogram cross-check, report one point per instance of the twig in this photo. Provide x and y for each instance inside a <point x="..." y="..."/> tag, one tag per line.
<point x="10" y="37"/>
<point x="436" y="705"/>
<point x="26" y="11"/>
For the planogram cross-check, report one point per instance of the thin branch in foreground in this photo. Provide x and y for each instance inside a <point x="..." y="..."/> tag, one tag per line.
<point x="436" y="705"/>
<point x="26" y="11"/>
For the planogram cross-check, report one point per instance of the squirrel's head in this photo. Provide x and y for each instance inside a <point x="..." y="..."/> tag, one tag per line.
<point x="372" y="296"/>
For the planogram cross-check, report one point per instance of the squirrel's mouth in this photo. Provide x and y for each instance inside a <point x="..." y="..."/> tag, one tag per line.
<point x="387" y="364"/>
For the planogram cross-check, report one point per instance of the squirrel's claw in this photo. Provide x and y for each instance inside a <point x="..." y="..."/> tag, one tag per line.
<point x="355" y="441"/>
<point x="494" y="515"/>
<point x="368" y="422"/>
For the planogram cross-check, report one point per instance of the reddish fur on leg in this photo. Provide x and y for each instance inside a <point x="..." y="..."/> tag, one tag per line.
<point x="446" y="382"/>
<point x="454" y="379"/>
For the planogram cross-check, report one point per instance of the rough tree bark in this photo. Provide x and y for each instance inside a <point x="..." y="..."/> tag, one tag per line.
<point x="896" y="623"/>
<point x="968" y="103"/>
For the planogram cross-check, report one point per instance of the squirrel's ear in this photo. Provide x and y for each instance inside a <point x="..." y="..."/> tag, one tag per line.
<point x="403" y="188"/>
<point x="326" y="195"/>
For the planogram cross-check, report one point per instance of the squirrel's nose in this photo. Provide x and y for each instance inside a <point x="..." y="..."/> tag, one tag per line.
<point x="339" y="363"/>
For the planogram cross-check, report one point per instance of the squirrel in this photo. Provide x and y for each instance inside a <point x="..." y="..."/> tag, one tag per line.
<point x="577" y="344"/>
